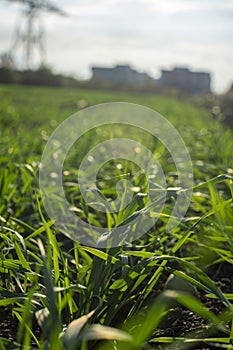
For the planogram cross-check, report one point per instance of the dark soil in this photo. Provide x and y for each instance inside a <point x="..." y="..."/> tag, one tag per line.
<point x="179" y="322"/>
<point x="9" y="327"/>
<point x="8" y="324"/>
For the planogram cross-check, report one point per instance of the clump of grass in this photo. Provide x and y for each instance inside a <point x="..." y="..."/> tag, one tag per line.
<point x="63" y="295"/>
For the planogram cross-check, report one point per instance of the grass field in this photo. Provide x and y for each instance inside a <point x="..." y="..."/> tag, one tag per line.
<point x="58" y="294"/>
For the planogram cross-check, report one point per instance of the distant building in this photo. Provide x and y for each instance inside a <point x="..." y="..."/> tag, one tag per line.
<point x="178" y="78"/>
<point x="186" y="80"/>
<point x="120" y="75"/>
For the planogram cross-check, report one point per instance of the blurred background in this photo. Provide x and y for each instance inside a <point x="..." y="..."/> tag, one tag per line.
<point x="148" y="35"/>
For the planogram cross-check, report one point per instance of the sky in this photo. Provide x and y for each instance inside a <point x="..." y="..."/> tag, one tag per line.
<point x="150" y="35"/>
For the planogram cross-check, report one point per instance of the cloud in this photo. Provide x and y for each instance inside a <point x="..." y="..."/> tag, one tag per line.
<point x="178" y="6"/>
